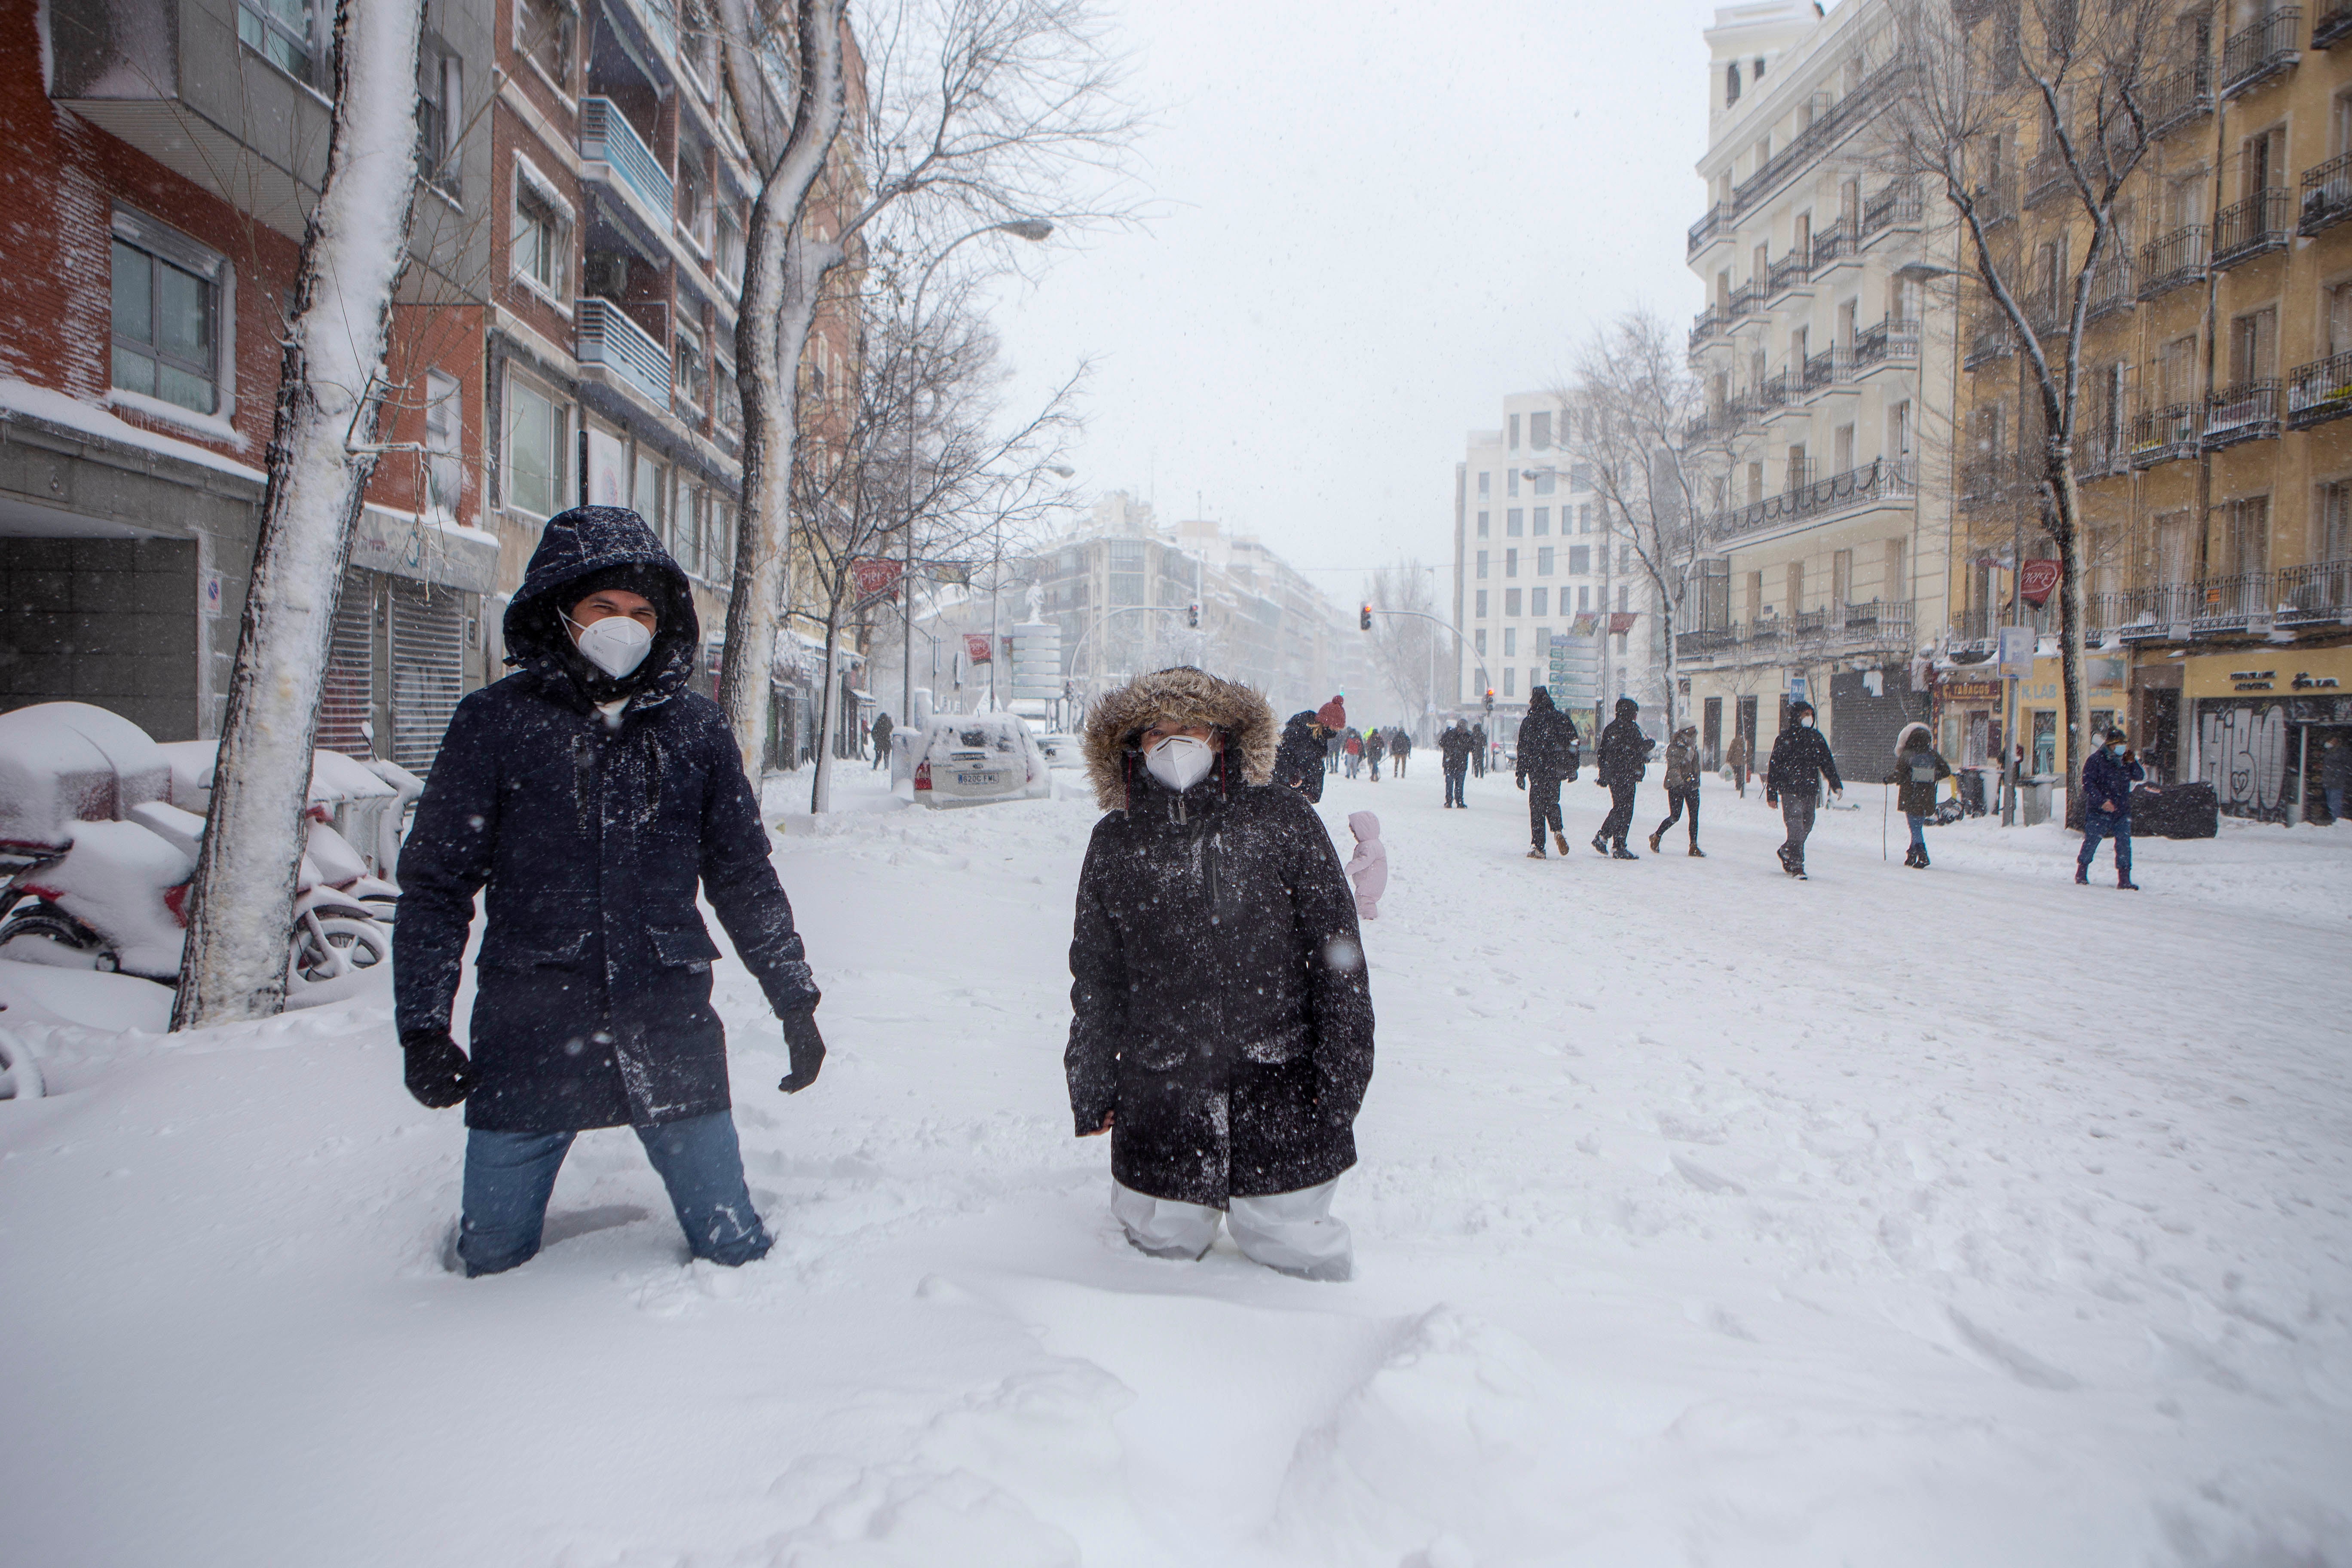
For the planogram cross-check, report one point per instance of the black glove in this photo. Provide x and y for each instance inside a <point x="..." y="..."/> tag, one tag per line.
<point x="438" y="1074"/>
<point x="1520" y="779"/>
<point x="808" y="1051"/>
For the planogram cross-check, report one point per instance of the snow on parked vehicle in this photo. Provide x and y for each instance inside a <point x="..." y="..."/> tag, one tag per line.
<point x="969" y="759"/>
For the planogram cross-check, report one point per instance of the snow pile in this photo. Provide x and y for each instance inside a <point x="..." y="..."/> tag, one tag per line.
<point x="60" y="761"/>
<point x="1950" y="1217"/>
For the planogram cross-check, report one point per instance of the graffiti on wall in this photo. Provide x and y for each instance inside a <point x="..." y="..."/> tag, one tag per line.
<point x="2241" y="752"/>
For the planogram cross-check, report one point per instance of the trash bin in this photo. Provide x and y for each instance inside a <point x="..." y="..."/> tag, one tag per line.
<point x="2034" y="799"/>
<point x="1972" y="791"/>
<point x="2176" y="811"/>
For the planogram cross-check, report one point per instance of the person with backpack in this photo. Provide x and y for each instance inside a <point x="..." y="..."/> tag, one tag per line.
<point x="1376" y="747"/>
<point x="1918" y="769"/>
<point x="1682" y="788"/>
<point x="1400" y="748"/>
<point x="2107" y="778"/>
<point x="1547" y="754"/>
<point x="1624" y="758"/>
<point x="881" y="730"/>
<point x="1800" y="763"/>
<point x="1453" y="748"/>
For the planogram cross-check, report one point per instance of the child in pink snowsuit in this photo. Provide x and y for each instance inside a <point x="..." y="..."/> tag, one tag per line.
<point x="1369" y="865"/>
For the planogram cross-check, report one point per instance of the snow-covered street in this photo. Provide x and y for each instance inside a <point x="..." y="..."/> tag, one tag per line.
<point x="1962" y="1216"/>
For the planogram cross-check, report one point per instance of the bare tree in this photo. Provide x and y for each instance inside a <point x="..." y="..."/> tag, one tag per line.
<point x="988" y="112"/>
<point x="917" y="444"/>
<point x="2088" y="82"/>
<point x="1633" y="402"/>
<point x="321" y="454"/>
<point x="1406" y="646"/>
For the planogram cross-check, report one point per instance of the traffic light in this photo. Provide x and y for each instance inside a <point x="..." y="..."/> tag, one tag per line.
<point x="1364" y="619"/>
<point x="1490" y="699"/>
<point x="1192" y="614"/>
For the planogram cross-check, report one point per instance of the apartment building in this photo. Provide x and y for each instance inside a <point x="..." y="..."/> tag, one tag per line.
<point x="1827" y="380"/>
<point x="1533" y="555"/>
<point x="2214" y="458"/>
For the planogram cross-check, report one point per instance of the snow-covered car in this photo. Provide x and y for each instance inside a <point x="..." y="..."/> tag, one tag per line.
<point x="969" y="759"/>
<point x="1062" y="751"/>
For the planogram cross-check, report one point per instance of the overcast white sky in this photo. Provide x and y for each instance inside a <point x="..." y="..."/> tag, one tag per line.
<point x="1375" y="221"/>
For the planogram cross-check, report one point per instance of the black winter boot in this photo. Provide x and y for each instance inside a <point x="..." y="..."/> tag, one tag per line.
<point x="1599" y="845"/>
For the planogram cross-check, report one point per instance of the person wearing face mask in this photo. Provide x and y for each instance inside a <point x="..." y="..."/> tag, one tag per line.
<point x="2107" y="778"/>
<point x="1800" y="762"/>
<point x="1220" y="1025"/>
<point x="590" y="796"/>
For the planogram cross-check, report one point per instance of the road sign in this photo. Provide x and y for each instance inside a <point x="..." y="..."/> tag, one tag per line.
<point x="2017" y="651"/>
<point x="1575" y="670"/>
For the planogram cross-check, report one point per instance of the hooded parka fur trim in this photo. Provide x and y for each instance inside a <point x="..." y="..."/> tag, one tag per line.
<point x="1219" y="1002"/>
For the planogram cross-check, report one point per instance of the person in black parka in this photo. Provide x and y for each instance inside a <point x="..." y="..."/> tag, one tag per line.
<point x="1220" y="1025"/>
<point x="1298" y="761"/>
<point x="1454" y="748"/>
<point x="1624" y="758"/>
<point x="1918" y="769"/>
<point x="588" y="795"/>
<point x="1800" y="764"/>
<point x="1399" y="750"/>
<point x="1547" y="754"/>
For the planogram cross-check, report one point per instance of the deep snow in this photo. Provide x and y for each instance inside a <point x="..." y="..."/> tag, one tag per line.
<point x="1962" y="1217"/>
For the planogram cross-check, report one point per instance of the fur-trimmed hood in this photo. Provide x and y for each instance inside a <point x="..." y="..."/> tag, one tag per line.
<point x="1914" y="728"/>
<point x="1189" y="696"/>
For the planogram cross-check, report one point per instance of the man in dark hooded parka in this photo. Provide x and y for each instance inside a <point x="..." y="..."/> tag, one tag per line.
<point x="588" y="795"/>
<point x="1222" y="1027"/>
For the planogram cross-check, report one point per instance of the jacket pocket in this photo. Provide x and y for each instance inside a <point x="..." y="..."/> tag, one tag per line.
<point x="533" y="952"/>
<point x="1282" y="1046"/>
<point x="682" y="947"/>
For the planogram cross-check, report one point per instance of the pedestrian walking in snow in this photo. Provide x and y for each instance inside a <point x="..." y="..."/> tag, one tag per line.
<point x="2336" y="774"/>
<point x="1734" y="757"/>
<point x="1682" y="788"/>
<point x="1376" y="750"/>
<point x="1478" y="753"/>
<point x="1333" y="717"/>
<point x="1547" y="755"/>
<point x="589" y="796"/>
<point x="1222" y="1020"/>
<point x="1918" y="769"/>
<point x="1298" y="761"/>
<point x="1454" y="748"/>
<point x="1793" y="776"/>
<point x="882" y="727"/>
<point x="1368" y="867"/>
<point x="1399" y="749"/>
<point x="1354" y="747"/>
<point x="1624" y="757"/>
<point x="2109" y="776"/>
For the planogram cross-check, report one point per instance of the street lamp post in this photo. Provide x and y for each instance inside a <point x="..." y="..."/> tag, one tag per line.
<point x="1033" y="229"/>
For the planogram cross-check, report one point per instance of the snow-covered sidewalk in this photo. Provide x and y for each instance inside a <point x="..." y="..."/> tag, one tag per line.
<point x="1955" y="1217"/>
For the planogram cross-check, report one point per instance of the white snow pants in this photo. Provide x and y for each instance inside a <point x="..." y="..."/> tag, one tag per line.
<point x="1292" y="1233"/>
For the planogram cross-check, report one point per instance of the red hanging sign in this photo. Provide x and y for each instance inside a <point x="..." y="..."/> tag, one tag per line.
<point x="874" y="574"/>
<point x="1621" y="621"/>
<point x="2037" y="581"/>
<point x="975" y="646"/>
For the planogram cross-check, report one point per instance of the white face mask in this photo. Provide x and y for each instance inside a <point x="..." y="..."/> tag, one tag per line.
<point x="615" y="644"/>
<point x="1179" y="762"/>
<point x="1806" y="720"/>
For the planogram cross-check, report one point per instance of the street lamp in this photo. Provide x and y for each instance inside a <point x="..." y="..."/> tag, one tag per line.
<point x="1033" y="229"/>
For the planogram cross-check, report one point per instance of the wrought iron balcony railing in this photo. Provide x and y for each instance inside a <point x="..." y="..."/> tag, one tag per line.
<point x="2319" y="592"/>
<point x="2319" y="391"/>
<point x="1992" y="338"/>
<point x="2246" y="411"/>
<point x="2327" y="191"/>
<point x="2255" y="226"/>
<point x="2172" y="262"/>
<point x="1714" y="226"/>
<point x="2184" y="96"/>
<point x="1791" y="271"/>
<point x="2254" y="54"/>
<point x="2332" y="26"/>
<point x="2161" y="435"/>
<point x="2046" y="176"/>
<point x="1895" y="207"/>
<point x="1891" y="341"/>
<point x="1831" y="246"/>
<point x="1704" y="326"/>
<point x="1881" y="482"/>
<point x="2113" y="288"/>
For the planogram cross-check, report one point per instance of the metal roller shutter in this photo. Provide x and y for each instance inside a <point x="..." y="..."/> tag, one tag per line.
<point x="347" y="702"/>
<point x="428" y="666"/>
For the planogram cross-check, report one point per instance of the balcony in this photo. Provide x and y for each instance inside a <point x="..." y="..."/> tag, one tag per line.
<point x="1989" y="478"/>
<point x="1993" y="338"/>
<point x="2232" y="604"/>
<point x="1830" y="127"/>
<point x="2327" y="192"/>
<point x="1826" y="369"/>
<point x="1772" y="396"/>
<point x="2181" y="98"/>
<point x="2313" y="595"/>
<point x="609" y="141"/>
<point x="1996" y="199"/>
<point x="1707" y="642"/>
<point x="1786" y="276"/>
<point x="2046" y="176"/>
<point x="2253" y="55"/>
<point x="1705" y="325"/>
<point x="1715" y="225"/>
<point x="2101" y="454"/>
<point x="2112" y="290"/>
<point x="1884" y="481"/>
<point x="1835" y="246"/>
<point x="2319" y="391"/>
<point x="2049" y="314"/>
<point x="2332" y="27"/>
<point x="1879" y="624"/>
<point x="1894" y="210"/>
<point x="2174" y="261"/>
<point x="1747" y="300"/>
<point x="608" y="338"/>
<point x="2255" y="226"/>
<point x="1892" y="343"/>
<point x="2161" y="435"/>
<point x="2246" y="411"/>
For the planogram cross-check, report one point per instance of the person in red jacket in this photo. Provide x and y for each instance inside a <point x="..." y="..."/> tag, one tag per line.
<point x="1333" y="717"/>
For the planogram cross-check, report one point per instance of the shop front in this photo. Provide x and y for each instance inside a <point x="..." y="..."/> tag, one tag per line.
<point x="2259" y="722"/>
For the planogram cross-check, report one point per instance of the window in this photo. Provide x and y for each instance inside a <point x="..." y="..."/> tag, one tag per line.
<point x="1842" y="578"/>
<point x="693" y="206"/>
<point x="1547" y="481"/>
<point x="1543" y="562"/>
<point x="1583" y="518"/>
<point x="1543" y="520"/>
<point x="1731" y="84"/>
<point x="1539" y="603"/>
<point x="1510" y="642"/>
<point x="1579" y="560"/>
<point x="1486" y="486"/>
<point x="1481" y="616"/>
<point x="541" y="233"/>
<point x="1579" y="476"/>
<point x="1897" y="586"/>
<point x="1514" y="436"/>
<point x="2334" y="523"/>
<point x="730" y="245"/>
<point x="1482" y="525"/>
<point x="1511" y="481"/>
<point x="730" y="397"/>
<point x="167" y="310"/>
<point x="1510" y="602"/>
<point x="1482" y="563"/>
<point x="2339" y="318"/>
<point x="1510" y="562"/>
<point x="1624" y="599"/>
<point x="1478" y="637"/>
<point x="691" y="373"/>
<point x="1515" y="523"/>
<point x="440" y="116"/>
<point x="544" y="30"/>
<point x="1510" y="677"/>
<point x="535" y="432"/>
<point x="1540" y="431"/>
<point x="2253" y="345"/>
<point x="2241" y="537"/>
<point x="445" y="471"/>
<point x="1841" y="450"/>
<point x="1583" y="598"/>
<point x="287" y="35"/>
<point x="1796" y="581"/>
<point x="646" y="490"/>
<point x="1755" y="595"/>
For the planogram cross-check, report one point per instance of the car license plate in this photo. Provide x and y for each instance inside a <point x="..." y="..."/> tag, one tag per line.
<point x="981" y="779"/>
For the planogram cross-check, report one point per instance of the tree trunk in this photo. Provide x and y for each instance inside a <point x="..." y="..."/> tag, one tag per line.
<point x="821" y="787"/>
<point x="353" y="251"/>
<point x="2070" y="638"/>
<point x="783" y="268"/>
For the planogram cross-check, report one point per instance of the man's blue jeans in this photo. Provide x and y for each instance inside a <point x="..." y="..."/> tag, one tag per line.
<point x="2098" y="824"/>
<point x="1918" y="830"/>
<point x="510" y="1177"/>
